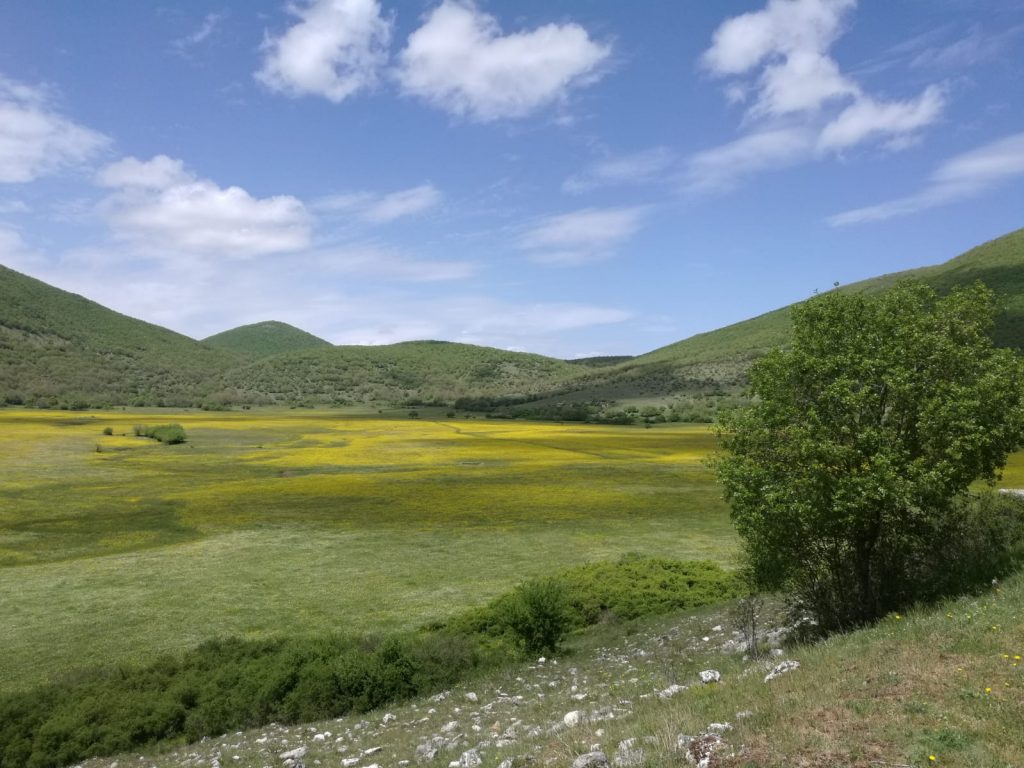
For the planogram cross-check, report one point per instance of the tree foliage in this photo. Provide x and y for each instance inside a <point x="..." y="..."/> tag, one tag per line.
<point x="847" y="475"/>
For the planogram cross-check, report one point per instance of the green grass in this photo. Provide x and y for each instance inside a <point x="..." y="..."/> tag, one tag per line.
<point x="273" y="523"/>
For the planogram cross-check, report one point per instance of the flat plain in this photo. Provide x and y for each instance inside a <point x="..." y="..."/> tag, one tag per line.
<point x="116" y="548"/>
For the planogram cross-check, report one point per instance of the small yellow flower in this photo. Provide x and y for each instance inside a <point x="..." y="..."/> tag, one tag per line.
<point x="897" y="617"/>
<point x="1017" y="657"/>
<point x="931" y="758"/>
<point x="988" y="690"/>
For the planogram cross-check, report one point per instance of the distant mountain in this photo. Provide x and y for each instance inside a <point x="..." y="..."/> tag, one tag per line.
<point x="265" y="339"/>
<point x="409" y="372"/>
<point x="59" y="348"/>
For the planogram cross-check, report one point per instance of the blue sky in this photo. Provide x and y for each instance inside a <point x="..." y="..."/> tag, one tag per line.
<point x="570" y="178"/>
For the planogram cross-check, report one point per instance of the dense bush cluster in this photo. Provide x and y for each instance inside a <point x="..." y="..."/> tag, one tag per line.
<point x="230" y="684"/>
<point x="170" y="434"/>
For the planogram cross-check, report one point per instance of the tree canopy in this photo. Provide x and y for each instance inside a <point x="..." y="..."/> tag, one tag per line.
<point x="848" y="473"/>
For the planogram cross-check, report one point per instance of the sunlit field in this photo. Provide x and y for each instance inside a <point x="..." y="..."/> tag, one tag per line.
<point x="117" y="548"/>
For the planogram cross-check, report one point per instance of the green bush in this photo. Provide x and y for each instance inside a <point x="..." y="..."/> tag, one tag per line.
<point x="538" y="615"/>
<point x="169" y="434"/>
<point x="108" y="430"/>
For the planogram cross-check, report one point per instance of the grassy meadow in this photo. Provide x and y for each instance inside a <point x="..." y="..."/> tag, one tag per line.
<point x="283" y="522"/>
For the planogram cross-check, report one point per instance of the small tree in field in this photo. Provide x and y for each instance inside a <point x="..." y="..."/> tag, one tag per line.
<point x="847" y="475"/>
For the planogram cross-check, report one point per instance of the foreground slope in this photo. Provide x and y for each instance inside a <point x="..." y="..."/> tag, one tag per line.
<point x="940" y="686"/>
<point x="410" y="372"/>
<point x="58" y="346"/>
<point x="265" y="339"/>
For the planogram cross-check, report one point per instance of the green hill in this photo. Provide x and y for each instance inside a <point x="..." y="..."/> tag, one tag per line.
<point x="265" y="339"/>
<point x="57" y="348"/>
<point x="721" y="357"/>
<point x="411" y="372"/>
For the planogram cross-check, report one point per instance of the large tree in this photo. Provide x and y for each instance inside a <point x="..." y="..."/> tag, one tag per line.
<point x="847" y="474"/>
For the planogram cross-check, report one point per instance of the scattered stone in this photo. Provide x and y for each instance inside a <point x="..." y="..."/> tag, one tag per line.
<point x="372" y="751"/>
<point x="471" y="696"/>
<point x="701" y="750"/>
<point x="709" y="676"/>
<point x="470" y="759"/>
<point x="718" y="728"/>
<point x="450" y="726"/>
<point x="744" y="714"/>
<point x="424" y="753"/>
<point x="572" y="719"/>
<point x="671" y="691"/>
<point x="594" y="759"/>
<point x="348" y="762"/>
<point x="781" y="669"/>
<point x="388" y="718"/>
<point x="293" y="754"/>
<point x="319" y="737"/>
<point x="508" y="761"/>
<point x="628" y="754"/>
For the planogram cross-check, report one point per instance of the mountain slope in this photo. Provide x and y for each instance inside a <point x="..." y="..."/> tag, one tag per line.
<point x="410" y="372"/>
<point x="722" y="356"/>
<point x="57" y="346"/>
<point x="264" y="339"/>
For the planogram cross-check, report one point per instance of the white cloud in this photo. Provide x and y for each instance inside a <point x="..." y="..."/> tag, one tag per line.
<point x="380" y="209"/>
<point x="637" y="168"/>
<point x="35" y="139"/>
<point x="337" y="48"/>
<point x="964" y="176"/>
<point x="460" y="61"/>
<point x="159" y="205"/>
<point x="801" y="104"/>
<point x="209" y="25"/>
<point x="721" y="168"/>
<point x="867" y="117"/>
<point x="581" y="236"/>
<point x="404" y="203"/>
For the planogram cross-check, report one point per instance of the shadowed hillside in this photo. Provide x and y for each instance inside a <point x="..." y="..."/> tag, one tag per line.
<point x="265" y="339"/>
<point x="59" y="348"/>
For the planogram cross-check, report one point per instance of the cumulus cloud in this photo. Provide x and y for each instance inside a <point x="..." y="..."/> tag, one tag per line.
<point x="380" y="209"/>
<point x="159" y="204"/>
<point x="967" y="175"/>
<point x="801" y="105"/>
<point x="337" y="48"/>
<point x="35" y="139"/>
<point x="581" y="236"/>
<point x="15" y="253"/>
<point x="637" y="168"/>
<point x="460" y="61"/>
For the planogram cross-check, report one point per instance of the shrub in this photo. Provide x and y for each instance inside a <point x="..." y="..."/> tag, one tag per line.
<point x="538" y="615"/>
<point x="169" y="434"/>
<point x="108" y="430"/>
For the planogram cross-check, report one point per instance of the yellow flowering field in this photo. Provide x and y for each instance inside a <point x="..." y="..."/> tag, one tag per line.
<point x="116" y="547"/>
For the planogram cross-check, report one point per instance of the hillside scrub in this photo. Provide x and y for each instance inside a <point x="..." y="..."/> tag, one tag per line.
<point x="229" y="684"/>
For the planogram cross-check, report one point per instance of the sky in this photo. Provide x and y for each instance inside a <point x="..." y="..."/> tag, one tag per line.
<point x="573" y="178"/>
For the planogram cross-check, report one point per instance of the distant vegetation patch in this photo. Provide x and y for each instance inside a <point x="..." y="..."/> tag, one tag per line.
<point x="170" y="434"/>
<point x="230" y="684"/>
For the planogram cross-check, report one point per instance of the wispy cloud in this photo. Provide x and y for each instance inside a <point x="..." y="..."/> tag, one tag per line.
<point x="962" y="177"/>
<point x="637" y="168"/>
<point x="974" y="48"/>
<point x="36" y="139"/>
<point x="582" y="236"/>
<point x="183" y="46"/>
<point x="719" y="169"/>
<point x="380" y="209"/>
<point x="460" y="61"/>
